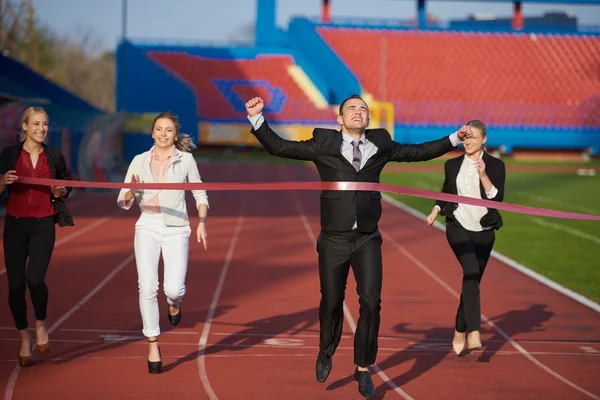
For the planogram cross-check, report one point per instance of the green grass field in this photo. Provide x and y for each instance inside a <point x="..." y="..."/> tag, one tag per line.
<point x="566" y="251"/>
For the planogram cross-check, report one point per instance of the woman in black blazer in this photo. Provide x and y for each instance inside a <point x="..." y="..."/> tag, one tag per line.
<point x="470" y="230"/>
<point x="29" y="225"/>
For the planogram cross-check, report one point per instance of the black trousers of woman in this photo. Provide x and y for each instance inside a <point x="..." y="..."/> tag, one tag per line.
<point x="28" y="247"/>
<point x="472" y="249"/>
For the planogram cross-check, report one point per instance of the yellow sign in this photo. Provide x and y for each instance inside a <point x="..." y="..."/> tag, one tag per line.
<point x="140" y="123"/>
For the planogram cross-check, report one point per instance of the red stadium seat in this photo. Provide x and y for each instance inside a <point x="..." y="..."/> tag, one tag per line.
<point x="524" y="79"/>
<point x="201" y="72"/>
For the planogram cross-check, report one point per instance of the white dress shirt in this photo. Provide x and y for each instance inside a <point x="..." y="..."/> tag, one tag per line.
<point x="367" y="148"/>
<point x="468" y="185"/>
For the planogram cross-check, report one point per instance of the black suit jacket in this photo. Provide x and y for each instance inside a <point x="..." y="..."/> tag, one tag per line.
<point x="58" y="168"/>
<point x="340" y="208"/>
<point x="495" y="170"/>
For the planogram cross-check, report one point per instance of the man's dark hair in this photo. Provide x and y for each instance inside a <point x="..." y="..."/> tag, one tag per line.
<point x="354" y="96"/>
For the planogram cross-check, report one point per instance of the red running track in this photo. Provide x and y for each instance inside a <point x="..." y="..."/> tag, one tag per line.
<point x="250" y="317"/>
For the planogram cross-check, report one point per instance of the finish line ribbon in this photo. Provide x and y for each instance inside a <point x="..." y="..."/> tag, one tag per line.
<point x="313" y="186"/>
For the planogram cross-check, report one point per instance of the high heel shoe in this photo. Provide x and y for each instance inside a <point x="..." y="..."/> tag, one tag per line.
<point x="154" y="367"/>
<point x="43" y="349"/>
<point x="174" y="319"/>
<point x="474" y="341"/>
<point x="458" y="346"/>
<point x="26" y="361"/>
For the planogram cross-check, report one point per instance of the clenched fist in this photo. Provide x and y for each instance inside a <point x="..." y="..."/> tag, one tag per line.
<point x="464" y="132"/>
<point x="255" y="106"/>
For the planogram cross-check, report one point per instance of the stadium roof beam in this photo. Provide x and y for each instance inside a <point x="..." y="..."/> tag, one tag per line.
<point x="422" y="13"/>
<point x="326" y="12"/>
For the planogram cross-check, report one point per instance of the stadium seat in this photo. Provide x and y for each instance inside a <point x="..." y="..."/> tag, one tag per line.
<point x="222" y="86"/>
<point x="504" y="78"/>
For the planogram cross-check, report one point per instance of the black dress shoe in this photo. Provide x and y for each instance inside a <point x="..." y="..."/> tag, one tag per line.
<point x="365" y="383"/>
<point x="323" y="367"/>
<point x="174" y="319"/>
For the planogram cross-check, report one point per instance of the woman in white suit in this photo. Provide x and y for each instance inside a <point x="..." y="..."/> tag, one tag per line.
<point x="163" y="224"/>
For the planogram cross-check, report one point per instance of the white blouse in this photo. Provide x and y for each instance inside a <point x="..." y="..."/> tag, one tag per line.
<point x="468" y="185"/>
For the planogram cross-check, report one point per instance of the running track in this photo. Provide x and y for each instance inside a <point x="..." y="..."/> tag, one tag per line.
<point x="250" y="318"/>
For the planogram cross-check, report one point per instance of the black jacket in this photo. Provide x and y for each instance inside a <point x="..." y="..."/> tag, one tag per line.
<point x="495" y="170"/>
<point x="340" y="208"/>
<point x="58" y="168"/>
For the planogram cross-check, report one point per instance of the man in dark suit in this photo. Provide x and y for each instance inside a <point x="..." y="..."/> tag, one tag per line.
<point x="349" y="219"/>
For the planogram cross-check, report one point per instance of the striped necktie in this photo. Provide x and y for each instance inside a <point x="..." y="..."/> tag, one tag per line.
<point x="356" y="155"/>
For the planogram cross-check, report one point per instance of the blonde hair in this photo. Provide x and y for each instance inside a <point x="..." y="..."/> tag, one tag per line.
<point x="183" y="142"/>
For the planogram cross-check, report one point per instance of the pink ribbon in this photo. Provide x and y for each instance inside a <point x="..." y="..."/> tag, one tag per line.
<point x="278" y="186"/>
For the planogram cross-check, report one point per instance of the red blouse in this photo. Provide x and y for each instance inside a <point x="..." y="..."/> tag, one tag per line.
<point x="26" y="200"/>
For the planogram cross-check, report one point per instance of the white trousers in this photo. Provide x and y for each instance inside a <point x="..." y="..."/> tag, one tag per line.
<point x="152" y="236"/>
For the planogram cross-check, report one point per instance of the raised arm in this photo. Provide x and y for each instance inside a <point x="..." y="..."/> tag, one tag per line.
<point x="492" y="178"/>
<point x="424" y="151"/>
<point x="271" y="141"/>
<point x="428" y="150"/>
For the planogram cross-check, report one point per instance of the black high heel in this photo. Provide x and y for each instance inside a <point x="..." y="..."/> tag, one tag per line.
<point x="174" y="319"/>
<point x="154" y="367"/>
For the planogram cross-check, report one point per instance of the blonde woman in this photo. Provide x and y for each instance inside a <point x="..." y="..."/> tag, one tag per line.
<point x="470" y="230"/>
<point x="163" y="224"/>
<point x="29" y="226"/>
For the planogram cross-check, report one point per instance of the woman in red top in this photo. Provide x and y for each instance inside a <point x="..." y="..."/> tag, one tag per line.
<point x="29" y="231"/>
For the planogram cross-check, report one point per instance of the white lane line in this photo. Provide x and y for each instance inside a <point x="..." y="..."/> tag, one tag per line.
<point x="562" y="228"/>
<point x="495" y="327"/>
<point x="560" y="203"/>
<point x="306" y="335"/>
<point x="509" y="262"/>
<point x="589" y="350"/>
<point x="10" y="384"/>
<point x="202" y="343"/>
<point x="414" y="339"/>
<point x="347" y="313"/>
<point x="121" y="331"/>
<point x="416" y="347"/>
<point x="78" y="232"/>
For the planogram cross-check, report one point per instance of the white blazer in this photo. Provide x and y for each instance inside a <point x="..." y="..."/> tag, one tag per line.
<point x="182" y="168"/>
